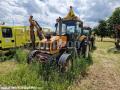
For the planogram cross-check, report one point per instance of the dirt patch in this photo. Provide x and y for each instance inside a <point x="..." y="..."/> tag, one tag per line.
<point x="104" y="74"/>
<point x="8" y="66"/>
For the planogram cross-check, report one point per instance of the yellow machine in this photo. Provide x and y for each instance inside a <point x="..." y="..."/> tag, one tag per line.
<point x="16" y="36"/>
<point x="12" y="36"/>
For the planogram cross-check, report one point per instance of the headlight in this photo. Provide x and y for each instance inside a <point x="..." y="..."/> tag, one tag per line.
<point x="54" y="45"/>
<point x="47" y="46"/>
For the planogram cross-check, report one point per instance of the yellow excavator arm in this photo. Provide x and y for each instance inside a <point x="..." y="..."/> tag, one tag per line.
<point x="34" y="24"/>
<point x="40" y="33"/>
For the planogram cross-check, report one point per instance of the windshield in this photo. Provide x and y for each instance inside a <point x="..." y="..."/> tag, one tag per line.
<point x="68" y="28"/>
<point x="86" y="32"/>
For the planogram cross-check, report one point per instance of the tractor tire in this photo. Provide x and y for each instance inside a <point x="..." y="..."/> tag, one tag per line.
<point x="65" y="63"/>
<point x="68" y="66"/>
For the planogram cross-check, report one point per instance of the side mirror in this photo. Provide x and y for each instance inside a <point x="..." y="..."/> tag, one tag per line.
<point x="80" y="25"/>
<point x="56" y="25"/>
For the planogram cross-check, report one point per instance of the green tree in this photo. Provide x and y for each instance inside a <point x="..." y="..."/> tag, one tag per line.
<point x="102" y="29"/>
<point x="113" y="20"/>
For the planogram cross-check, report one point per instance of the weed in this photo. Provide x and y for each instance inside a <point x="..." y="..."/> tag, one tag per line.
<point x="21" y="56"/>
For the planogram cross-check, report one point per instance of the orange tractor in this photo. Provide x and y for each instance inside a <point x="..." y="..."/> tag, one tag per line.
<point x="66" y="43"/>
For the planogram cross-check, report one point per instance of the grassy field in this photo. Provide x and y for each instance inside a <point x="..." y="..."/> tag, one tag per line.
<point x="104" y="74"/>
<point x="16" y="72"/>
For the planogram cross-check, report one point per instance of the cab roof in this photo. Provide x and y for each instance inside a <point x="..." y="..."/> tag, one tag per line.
<point x="71" y="17"/>
<point x="87" y="28"/>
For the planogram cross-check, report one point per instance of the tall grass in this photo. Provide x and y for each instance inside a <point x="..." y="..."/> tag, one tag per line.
<point x="46" y="76"/>
<point x="21" y="56"/>
<point x="21" y="77"/>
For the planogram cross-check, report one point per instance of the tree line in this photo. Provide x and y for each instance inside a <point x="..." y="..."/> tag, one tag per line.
<point x="106" y="28"/>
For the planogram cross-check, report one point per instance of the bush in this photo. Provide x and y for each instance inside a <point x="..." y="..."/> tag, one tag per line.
<point x="6" y="55"/>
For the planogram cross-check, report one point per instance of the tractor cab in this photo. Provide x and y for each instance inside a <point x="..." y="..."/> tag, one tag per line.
<point x="69" y="28"/>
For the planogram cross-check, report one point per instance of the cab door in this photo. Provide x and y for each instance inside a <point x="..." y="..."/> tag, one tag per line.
<point x="8" y="39"/>
<point x="19" y="36"/>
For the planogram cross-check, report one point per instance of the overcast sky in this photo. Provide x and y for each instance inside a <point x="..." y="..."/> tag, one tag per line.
<point x="45" y="12"/>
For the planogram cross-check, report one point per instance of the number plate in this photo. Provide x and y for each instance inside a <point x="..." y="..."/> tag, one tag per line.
<point x="7" y="40"/>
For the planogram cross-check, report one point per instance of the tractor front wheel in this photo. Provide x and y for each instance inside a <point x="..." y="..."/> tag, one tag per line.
<point x="65" y="63"/>
<point x="67" y="66"/>
<point x="31" y="56"/>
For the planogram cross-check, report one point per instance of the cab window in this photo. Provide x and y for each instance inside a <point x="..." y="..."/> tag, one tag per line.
<point x="63" y="29"/>
<point x="57" y="28"/>
<point x="78" y="28"/>
<point x="7" y="32"/>
<point x="70" y="29"/>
